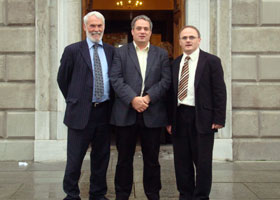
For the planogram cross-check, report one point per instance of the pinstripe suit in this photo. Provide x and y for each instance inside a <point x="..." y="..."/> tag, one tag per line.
<point x="87" y="123"/>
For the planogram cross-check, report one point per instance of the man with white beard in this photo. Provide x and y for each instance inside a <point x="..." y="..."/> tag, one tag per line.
<point x="84" y="82"/>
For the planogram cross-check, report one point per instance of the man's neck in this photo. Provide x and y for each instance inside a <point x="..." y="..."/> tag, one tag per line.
<point x="141" y="45"/>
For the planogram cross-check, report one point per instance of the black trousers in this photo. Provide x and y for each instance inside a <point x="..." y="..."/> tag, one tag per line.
<point x="150" y="143"/>
<point x="96" y="134"/>
<point x="192" y="157"/>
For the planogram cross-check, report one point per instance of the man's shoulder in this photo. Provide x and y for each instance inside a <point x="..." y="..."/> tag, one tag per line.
<point x="178" y="59"/>
<point x="208" y="55"/>
<point x="158" y="49"/>
<point x="75" y="45"/>
<point x="108" y="46"/>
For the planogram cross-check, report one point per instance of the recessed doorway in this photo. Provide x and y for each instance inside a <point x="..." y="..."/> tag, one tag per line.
<point x="168" y="16"/>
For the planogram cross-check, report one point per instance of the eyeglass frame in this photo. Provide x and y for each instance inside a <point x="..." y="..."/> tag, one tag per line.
<point x="191" y="38"/>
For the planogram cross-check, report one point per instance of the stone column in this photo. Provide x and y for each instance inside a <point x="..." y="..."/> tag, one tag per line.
<point x="213" y="19"/>
<point x="223" y="143"/>
<point x="58" y="23"/>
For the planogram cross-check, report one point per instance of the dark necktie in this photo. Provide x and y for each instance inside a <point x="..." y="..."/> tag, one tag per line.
<point x="99" y="86"/>
<point x="184" y="79"/>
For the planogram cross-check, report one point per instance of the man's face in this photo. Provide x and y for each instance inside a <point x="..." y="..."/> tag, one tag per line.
<point x="94" y="28"/>
<point x="189" y="40"/>
<point x="141" y="32"/>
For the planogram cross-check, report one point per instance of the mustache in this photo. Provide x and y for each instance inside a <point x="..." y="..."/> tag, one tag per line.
<point x="96" y="33"/>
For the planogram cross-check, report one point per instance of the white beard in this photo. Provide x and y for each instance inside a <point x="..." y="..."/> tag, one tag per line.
<point x="89" y="35"/>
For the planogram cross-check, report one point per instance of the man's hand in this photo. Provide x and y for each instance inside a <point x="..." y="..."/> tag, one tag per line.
<point x="217" y="126"/>
<point x="168" y="128"/>
<point x="147" y="99"/>
<point x="139" y="104"/>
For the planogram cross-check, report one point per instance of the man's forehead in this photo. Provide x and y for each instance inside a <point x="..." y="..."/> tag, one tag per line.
<point x="189" y="31"/>
<point x="142" y="21"/>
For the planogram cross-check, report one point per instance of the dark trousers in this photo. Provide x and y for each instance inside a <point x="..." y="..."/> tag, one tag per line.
<point x="96" y="134"/>
<point x="150" y="144"/>
<point x="192" y="157"/>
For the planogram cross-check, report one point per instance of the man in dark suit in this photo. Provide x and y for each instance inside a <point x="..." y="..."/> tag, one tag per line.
<point x="197" y="108"/>
<point x="140" y="76"/>
<point x="84" y="82"/>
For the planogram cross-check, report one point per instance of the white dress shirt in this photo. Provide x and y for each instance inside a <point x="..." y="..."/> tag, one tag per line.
<point x="190" y="99"/>
<point x="142" y="55"/>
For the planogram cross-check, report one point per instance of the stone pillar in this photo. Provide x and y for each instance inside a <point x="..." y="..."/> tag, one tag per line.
<point x="198" y="15"/>
<point x="213" y="18"/>
<point x="58" y="24"/>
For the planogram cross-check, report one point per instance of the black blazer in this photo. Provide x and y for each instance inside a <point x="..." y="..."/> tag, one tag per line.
<point x="75" y="80"/>
<point x="210" y="93"/>
<point x="126" y="80"/>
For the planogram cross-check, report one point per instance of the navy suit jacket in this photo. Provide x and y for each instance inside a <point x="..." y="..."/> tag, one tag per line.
<point x="75" y="80"/>
<point x="210" y="93"/>
<point x="126" y="80"/>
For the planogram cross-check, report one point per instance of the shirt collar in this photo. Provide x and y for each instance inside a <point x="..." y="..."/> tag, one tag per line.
<point x="194" y="55"/>
<point x="145" y="49"/>
<point x="91" y="44"/>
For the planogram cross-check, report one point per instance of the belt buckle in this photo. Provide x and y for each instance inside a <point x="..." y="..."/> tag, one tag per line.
<point x="95" y="104"/>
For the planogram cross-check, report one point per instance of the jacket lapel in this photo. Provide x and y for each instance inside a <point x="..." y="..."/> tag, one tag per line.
<point x="151" y="58"/>
<point x="200" y="68"/>
<point x="85" y="54"/>
<point x="176" y="67"/>
<point x="133" y="56"/>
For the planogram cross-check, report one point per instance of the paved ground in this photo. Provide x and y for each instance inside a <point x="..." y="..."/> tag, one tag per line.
<point x="238" y="180"/>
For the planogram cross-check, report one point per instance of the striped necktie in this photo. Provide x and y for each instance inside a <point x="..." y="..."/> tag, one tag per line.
<point x="98" y="78"/>
<point x="184" y="79"/>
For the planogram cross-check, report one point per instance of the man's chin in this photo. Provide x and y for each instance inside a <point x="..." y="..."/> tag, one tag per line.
<point x="95" y="39"/>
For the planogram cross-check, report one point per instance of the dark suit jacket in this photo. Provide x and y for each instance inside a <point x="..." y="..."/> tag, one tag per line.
<point x="75" y="80"/>
<point x="126" y="80"/>
<point x="210" y="93"/>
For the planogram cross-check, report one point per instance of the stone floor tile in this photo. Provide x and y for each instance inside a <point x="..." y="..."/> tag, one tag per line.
<point x="46" y="176"/>
<point x="7" y="190"/>
<point x="39" y="191"/>
<point x="265" y="190"/>
<point x="265" y="165"/>
<point x="15" y="177"/>
<point x="245" y="176"/>
<point x="12" y="166"/>
<point x="231" y="191"/>
<point x="47" y="166"/>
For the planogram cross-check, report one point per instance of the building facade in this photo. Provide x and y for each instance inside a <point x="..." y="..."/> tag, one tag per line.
<point x="243" y="33"/>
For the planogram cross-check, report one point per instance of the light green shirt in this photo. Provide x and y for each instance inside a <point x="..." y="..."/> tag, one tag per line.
<point x="142" y="55"/>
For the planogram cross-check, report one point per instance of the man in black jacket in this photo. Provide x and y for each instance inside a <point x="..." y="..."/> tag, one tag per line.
<point x="197" y="108"/>
<point x="84" y="82"/>
<point x="141" y="78"/>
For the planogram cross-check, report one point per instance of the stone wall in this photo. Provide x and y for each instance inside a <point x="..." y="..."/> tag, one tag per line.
<point x="17" y="79"/>
<point x="31" y="114"/>
<point x="256" y="79"/>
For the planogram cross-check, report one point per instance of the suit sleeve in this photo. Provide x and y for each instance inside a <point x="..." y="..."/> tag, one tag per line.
<point x="122" y="90"/>
<point x="65" y="71"/>
<point x="159" y="89"/>
<point x="219" y="92"/>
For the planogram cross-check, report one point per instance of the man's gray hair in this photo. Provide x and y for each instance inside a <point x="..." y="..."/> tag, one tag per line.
<point x="144" y="17"/>
<point x="96" y="14"/>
